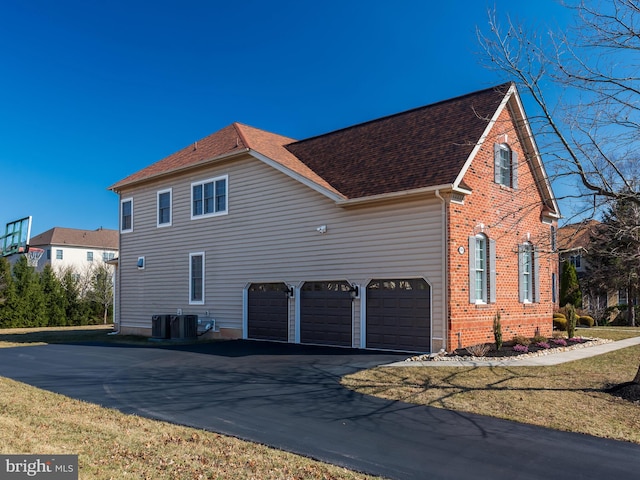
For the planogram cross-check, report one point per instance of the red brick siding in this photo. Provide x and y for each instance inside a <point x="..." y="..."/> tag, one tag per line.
<point x="508" y="215"/>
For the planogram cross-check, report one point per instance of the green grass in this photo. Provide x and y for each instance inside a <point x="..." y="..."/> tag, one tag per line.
<point x="112" y="445"/>
<point x="567" y="397"/>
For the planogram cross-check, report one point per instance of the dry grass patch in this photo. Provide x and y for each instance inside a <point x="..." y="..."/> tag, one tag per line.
<point x="566" y="397"/>
<point x="112" y="445"/>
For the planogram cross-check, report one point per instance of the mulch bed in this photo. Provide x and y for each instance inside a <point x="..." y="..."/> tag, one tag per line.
<point x="628" y="391"/>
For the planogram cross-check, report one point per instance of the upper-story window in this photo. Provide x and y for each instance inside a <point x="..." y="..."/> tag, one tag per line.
<point x="89" y="256"/>
<point x="164" y="208"/>
<point x="209" y="197"/>
<point x="59" y="254"/>
<point x="106" y="256"/>
<point x="554" y="238"/>
<point x="576" y="260"/>
<point x="126" y="215"/>
<point x="505" y="165"/>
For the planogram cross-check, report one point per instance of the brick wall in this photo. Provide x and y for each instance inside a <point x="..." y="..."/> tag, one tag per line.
<point x="509" y="216"/>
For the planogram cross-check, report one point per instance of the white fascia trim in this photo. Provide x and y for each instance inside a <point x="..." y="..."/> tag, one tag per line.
<point x="484" y="136"/>
<point x="296" y="176"/>
<point x="393" y="195"/>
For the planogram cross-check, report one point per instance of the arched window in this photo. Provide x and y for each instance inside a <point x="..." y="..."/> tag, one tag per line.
<point x="506" y="165"/>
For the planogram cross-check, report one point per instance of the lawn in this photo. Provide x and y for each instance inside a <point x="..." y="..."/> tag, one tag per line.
<point x="112" y="445"/>
<point x="567" y="397"/>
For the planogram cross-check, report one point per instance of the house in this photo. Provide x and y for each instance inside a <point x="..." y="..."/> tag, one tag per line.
<point x="573" y="246"/>
<point x="75" y="248"/>
<point x="409" y="232"/>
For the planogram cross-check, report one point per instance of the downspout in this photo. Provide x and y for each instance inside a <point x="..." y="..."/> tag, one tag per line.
<point x="445" y="270"/>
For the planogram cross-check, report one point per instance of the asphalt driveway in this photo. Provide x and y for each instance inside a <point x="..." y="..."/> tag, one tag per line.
<point x="289" y="396"/>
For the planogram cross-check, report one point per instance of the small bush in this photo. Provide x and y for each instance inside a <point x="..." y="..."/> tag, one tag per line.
<point x="586" y="321"/>
<point x="560" y="323"/>
<point x="520" y="348"/>
<point x="479" y="350"/>
<point x="560" y="341"/>
<point x="520" y="340"/>
<point x="544" y="345"/>
<point x="539" y="339"/>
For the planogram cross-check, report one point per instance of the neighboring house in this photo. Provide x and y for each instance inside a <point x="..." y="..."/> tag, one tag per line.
<point x="573" y="246"/>
<point x="79" y="249"/>
<point x="409" y="232"/>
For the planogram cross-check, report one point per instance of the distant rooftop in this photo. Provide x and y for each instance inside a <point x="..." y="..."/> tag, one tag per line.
<point x="101" y="238"/>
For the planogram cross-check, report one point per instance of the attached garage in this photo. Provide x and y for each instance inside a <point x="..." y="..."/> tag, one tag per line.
<point x="399" y="314"/>
<point x="268" y="311"/>
<point x="326" y="313"/>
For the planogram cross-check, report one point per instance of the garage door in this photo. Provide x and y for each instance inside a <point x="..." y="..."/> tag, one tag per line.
<point x="399" y="314"/>
<point x="268" y="311"/>
<point x="325" y="313"/>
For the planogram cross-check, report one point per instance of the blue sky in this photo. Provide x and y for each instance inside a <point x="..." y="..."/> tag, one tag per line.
<point x="91" y="92"/>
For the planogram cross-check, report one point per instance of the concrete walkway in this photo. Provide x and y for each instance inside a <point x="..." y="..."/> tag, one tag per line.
<point x="535" y="361"/>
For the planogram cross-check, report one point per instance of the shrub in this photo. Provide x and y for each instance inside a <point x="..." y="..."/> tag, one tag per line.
<point x="586" y="321"/>
<point x="560" y="341"/>
<point x="497" y="331"/>
<point x="559" y="315"/>
<point x="520" y="348"/>
<point x="560" y="323"/>
<point x="520" y="340"/>
<point x="479" y="350"/>
<point x="544" y="345"/>
<point x="538" y="339"/>
<point x="572" y="319"/>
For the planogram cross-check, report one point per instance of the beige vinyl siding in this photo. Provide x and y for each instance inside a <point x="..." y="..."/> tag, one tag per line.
<point x="269" y="235"/>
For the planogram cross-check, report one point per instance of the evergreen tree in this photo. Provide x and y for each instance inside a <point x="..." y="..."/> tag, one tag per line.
<point x="75" y="310"/>
<point x="7" y="295"/>
<point x="54" y="297"/>
<point x="30" y="308"/>
<point x="569" y="287"/>
<point x="102" y="289"/>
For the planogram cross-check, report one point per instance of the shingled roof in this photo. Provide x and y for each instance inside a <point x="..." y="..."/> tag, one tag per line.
<point x="423" y="147"/>
<point x="101" y="238"/>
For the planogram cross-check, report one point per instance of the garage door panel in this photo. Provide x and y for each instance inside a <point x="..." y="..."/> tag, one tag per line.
<point x="268" y="312"/>
<point x="325" y="313"/>
<point x="398" y="314"/>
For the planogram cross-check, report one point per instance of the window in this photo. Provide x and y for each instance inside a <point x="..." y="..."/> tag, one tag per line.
<point x="505" y="165"/>
<point x="209" y="198"/>
<point x="554" y="288"/>
<point x="623" y="298"/>
<point x="576" y="260"/>
<point x="48" y="254"/>
<point x="58" y="254"/>
<point x="106" y="256"/>
<point x="554" y="238"/>
<point x="196" y="278"/>
<point x="164" y="208"/>
<point x="528" y="268"/>
<point x="89" y="256"/>
<point x="126" y="215"/>
<point x="482" y="270"/>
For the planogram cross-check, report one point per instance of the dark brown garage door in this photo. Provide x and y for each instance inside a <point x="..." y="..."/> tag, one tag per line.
<point x="399" y="314"/>
<point x="268" y="311"/>
<point x="325" y="313"/>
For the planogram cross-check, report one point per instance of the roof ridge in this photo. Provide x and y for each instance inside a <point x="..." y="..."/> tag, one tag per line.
<point x="236" y="126"/>
<point x="495" y="88"/>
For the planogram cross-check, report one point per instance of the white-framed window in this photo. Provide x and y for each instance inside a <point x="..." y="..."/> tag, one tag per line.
<point x="576" y="260"/>
<point x="89" y="256"/>
<point x="164" y="207"/>
<point x="209" y="197"/>
<point x="505" y="165"/>
<point x="106" y="256"/>
<point x="528" y="274"/>
<point x="482" y="269"/>
<point x="126" y="215"/>
<point x="59" y="254"/>
<point x="196" y="278"/>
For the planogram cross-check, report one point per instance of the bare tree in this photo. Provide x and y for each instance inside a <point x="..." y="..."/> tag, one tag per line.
<point x="584" y="86"/>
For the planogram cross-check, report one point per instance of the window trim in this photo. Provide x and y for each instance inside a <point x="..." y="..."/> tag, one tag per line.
<point x="122" y="202"/>
<point x="61" y="254"/>
<point x="158" y="194"/>
<point x="89" y="256"/>
<point x="193" y="301"/>
<point x="215" y="213"/>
